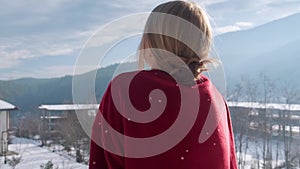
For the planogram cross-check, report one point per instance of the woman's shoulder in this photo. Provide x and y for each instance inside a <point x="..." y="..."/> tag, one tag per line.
<point x="155" y="76"/>
<point x="144" y="77"/>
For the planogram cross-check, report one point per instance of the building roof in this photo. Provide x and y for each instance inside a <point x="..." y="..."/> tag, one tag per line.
<point x="256" y="105"/>
<point x="7" y="106"/>
<point x="69" y="107"/>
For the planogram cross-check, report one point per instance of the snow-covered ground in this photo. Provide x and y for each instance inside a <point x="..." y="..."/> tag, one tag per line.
<point x="252" y="152"/>
<point x="33" y="156"/>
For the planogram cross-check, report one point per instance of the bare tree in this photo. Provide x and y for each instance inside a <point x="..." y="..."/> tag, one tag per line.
<point x="251" y="88"/>
<point x="72" y="133"/>
<point x="30" y="126"/>
<point x="267" y="125"/>
<point x="43" y="128"/>
<point x="290" y="95"/>
<point x="246" y="89"/>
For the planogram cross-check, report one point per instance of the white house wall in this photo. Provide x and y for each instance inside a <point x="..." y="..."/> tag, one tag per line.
<point x="3" y="121"/>
<point x="3" y="130"/>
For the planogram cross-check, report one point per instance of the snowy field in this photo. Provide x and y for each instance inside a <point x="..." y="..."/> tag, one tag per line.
<point x="252" y="152"/>
<point x="33" y="156"/>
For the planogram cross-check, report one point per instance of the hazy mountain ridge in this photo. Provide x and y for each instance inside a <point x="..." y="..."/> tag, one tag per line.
<point x="272" y="49"/>
<point x="265" y="37"/>
<point x="29" y="93"/>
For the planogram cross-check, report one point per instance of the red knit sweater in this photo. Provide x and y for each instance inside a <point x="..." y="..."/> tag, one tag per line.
<point x="214" y="152"/>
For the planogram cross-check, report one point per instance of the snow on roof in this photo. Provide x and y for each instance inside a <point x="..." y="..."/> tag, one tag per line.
<point x="52" y="117"/>
<point x="7" y="106"/>
<point x="256" y="105"/>
<point x="279" y="106"/>
<point x="68" y="107"/>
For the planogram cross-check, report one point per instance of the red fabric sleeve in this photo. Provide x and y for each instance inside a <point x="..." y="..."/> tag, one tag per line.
<point x="100" y="158"/>
<point x="233" y="162"/>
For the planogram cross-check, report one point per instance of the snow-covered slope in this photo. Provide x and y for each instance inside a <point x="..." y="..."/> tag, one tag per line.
<point x="33" y="156"/>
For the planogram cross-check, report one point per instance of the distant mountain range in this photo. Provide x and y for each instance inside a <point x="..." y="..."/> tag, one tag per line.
<point x="273" y="49"/>
<point x="29" y="93"/>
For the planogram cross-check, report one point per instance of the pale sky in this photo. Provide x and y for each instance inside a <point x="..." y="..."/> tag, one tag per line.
<point x="42" y="39"/>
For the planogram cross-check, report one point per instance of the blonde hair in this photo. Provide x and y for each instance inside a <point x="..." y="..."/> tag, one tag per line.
<point x="195" y="54"/>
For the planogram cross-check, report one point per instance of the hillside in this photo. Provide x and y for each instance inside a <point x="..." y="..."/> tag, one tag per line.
<point x="29" y="93"/>
<point x="271" y="47"/>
